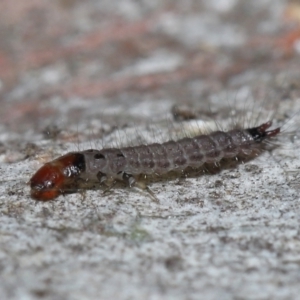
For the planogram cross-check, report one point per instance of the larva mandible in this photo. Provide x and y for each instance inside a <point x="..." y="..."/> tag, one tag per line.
<point x="68" y="173"/>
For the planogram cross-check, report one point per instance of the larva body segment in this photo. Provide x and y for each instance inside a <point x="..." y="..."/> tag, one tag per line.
<point x="67" y="173"/>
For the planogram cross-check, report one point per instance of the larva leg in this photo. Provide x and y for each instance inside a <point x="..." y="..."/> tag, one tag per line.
<point x="152" y="195"/>
<point x="110" y="184"/>
<point x="83" y="195"/>
<point x="101" y="177"/>
<point x="129" y="179"/>
<point x="132" y="182"/>
<point x="142" y="187"/>
<point x="108" y="181"/>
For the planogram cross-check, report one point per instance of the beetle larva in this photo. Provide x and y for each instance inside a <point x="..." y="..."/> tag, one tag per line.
<point x="67" y="173"/>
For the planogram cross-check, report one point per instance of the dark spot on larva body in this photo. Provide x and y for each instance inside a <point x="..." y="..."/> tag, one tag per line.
<point x="77" y="166"/>
<point x="163" y="163"/>
<point x="205" y="143"/>
<point x="196" y="156"/>
<point x="134" y="162"/>
<point x="180" y="161"/>
<point x="189" y="145"/>
<point x="213" y="156"/>
<point x="147" y="163"/>
<point x="99" y="156"/>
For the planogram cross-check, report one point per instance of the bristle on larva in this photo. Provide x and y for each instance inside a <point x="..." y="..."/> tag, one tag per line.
<point x="68" y="173"/>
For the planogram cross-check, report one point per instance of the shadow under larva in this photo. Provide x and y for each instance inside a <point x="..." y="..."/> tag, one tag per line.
<point x="194" y="151"/>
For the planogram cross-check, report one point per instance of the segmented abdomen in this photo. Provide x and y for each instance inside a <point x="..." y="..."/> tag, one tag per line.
<point x="188" y="152"/>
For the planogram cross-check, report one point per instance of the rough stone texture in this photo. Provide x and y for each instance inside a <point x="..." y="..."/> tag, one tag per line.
<point x="72" y="69"/>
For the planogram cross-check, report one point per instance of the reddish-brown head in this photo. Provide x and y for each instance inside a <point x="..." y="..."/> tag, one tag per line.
<point x="52" y="179"/>
<point x="47" y="182"/>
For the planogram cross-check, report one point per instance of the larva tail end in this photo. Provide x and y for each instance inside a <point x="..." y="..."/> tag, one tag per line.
<point x="262" y="129"/>
<point x="274" y="132"/>
<point x="260" y="133"/>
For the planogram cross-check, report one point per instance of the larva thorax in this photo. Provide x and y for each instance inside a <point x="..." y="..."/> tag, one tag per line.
<point x="66" y="173"/>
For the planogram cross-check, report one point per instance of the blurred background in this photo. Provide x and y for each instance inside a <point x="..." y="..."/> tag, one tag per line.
<point x="69" y="60"/>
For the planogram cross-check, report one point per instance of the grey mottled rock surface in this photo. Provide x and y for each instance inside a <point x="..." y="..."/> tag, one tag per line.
<point x="71" y="71"/>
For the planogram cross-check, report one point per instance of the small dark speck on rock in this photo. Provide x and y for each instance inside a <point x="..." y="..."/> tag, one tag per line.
<point x="218" y="183"/>
<point x="232" y="175"/>
<point x="215" y="195"/>
<point x="40" y="293"/>
<point x="173" y="263"/>
<point x="51" y="132"/>
<point x="252" y="168"/>
<point x="2" y="148"/>
<point x="30" y="150"/>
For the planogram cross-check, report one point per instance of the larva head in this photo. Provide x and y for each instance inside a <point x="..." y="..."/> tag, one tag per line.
<point x="47" y="182"/>
<point x="52" y="179"/>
